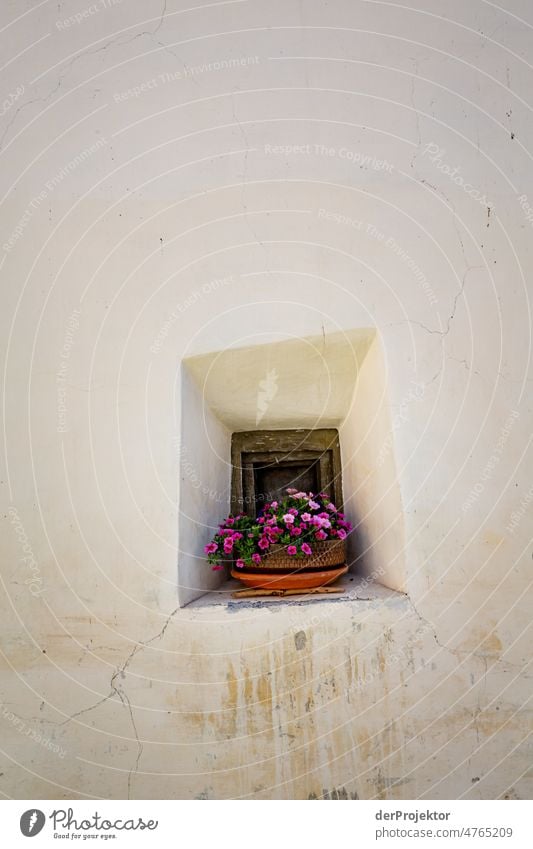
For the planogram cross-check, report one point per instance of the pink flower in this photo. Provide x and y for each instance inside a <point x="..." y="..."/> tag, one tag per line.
<point x="321" y="535"/>
<point x="341" y="533"/>
<point x="217" y="567"/>
<point x="306" y="517"/>
<point x="313" y="505"/>
<point x="295" y="532"/>
<point x="239" y="564"/>
<point x="261" y="520"/>
<point x="237" y="536"/>
<point x="300" y="495"/>
<point x="288" y="518"/>
<point x="263" y="543"/>
<point x="291" y="490"/>
<point x="256" y="558"/>
<point x="211" y="548"/>
<point x="306" y="549"/>
<point x="293" y="510"/>
<point x="274" y="505"/>
<point x="331" y="507"/>
<point x="230" y="521"/>
<point x="320" y="523"/>
<point x="291" y="550"/>
<point x="228" y="545"/>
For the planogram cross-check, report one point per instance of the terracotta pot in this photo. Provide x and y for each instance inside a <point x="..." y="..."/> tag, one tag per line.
<point x="299" y="580"/>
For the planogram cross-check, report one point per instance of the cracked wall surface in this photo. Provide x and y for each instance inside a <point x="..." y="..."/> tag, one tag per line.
<point x="180" y="179"/>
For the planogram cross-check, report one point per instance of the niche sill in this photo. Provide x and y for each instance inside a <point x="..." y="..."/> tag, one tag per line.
<point x="355" y="589"/>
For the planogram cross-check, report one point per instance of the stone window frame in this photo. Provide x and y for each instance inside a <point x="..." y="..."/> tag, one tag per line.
<point x="276" y="445"/>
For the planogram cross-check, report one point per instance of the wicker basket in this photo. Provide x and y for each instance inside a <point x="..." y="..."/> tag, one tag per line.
<point x="326" y="554"/>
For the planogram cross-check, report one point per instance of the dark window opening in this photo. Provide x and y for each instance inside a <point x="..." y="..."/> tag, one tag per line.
<point x="266" y="463"/>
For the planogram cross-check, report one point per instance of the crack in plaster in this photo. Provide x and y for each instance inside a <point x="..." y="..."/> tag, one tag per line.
<point x="433" y="630"/>
<point x="454" y="308"/>
<point x="111" y="43"/>
<point x="118" y="690"/>
<point x="417" y="115"/>
<point x="442" y="333"/>
<point x="244" y="181"/>
<point x="23" y="106"/>
<point x="460" y="654"/>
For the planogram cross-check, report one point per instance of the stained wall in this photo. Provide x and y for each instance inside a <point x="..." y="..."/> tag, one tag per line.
<point x="180" y="180"/>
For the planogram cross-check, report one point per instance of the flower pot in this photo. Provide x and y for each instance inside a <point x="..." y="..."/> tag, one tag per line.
<point x="296" y="580"/>
<point x="326" y="554"/>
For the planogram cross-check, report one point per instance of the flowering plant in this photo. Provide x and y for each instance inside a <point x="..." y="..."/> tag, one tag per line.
<point x="297" y="522"/>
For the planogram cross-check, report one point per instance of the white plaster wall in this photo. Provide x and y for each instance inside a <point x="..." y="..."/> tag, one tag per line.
<point x="204" y="491"/>
<point x="218" y="206"/>
<point x="370" y="479"/>
<point x="307" y="382"/>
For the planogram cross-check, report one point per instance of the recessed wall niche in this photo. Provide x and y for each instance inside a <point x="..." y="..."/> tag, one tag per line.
<point x="334" y="382"/>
